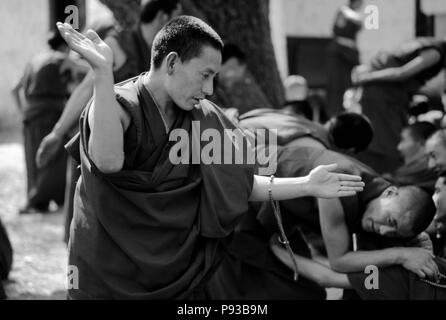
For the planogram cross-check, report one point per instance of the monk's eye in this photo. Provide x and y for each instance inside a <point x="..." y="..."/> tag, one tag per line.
<point x="205" y="76"/>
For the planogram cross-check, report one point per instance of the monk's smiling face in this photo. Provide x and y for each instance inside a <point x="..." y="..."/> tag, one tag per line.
<point x="190" y="81"/>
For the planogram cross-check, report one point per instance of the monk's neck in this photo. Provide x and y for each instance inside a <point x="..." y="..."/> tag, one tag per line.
<point x="161" y="98"/>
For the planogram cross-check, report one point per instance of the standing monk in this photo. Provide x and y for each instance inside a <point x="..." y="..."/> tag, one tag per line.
<point x="143" y="227"/>
<point x="131" y="57"/>
<point x="46" y="87"/>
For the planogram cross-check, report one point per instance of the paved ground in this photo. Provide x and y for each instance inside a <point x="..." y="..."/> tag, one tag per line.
<point x="39" y="253"/>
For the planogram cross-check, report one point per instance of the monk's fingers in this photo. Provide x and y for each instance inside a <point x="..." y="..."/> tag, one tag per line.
<point x="346" y="193"/>
<point x="355" y="189"/>
<point x="429" y="272"/>
<point x="93" y="36"/>
<point x="348" y="177"/>
<point x="421" y="274"/>
<point x="357" y="184"/>
<point x="73" y="33"/>
<point x="68" y="33"/>
<point x="435" y="271"/>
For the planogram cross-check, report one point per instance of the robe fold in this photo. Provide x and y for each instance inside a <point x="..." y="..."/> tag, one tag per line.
<point x="289" y="126"/>
<point x="154" y="230"/>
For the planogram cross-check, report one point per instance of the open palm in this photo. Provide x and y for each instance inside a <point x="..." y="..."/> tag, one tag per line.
<point x="328" y="184"/>
<point x="90" y="46"/>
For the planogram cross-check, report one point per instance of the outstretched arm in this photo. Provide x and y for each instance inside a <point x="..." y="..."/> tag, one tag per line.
<point x="321" y="182"/>
<point x="425" y="60"/>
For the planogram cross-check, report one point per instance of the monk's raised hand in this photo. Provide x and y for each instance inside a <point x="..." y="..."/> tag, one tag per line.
<point x="90" y="46"/>
<point x="324" y="183"/>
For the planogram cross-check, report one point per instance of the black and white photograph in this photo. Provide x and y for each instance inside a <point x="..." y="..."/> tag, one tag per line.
<point x="223" y="154"/>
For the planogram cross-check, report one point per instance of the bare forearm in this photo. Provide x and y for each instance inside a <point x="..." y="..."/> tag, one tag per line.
<point x="357" y="261"/>
<point x="107" y="132"/>
<point x="74" y="107"/>
<point x="313" y="270"/>
<point x="385" y="75"/>
<point x="282" y="188"/>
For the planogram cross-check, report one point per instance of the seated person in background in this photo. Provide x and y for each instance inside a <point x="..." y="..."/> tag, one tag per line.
<point x="437" y="229"/>
<point x="436" y="151"/>
<point x="251" y="271"/>
<point x="415" y="170"/>
<point x="296" y="97"/>
<point x="235" y="86"/>
<point x="393" y="283"/>
<point x="348" y="132"/>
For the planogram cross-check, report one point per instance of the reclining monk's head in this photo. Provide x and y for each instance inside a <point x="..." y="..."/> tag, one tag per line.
<point x="399" y="212"/>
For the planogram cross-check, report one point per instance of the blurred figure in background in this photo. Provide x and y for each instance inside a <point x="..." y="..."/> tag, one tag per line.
<point x="236" y="87"/>
<point x="415" y="170"/>
<point x="437" y="229"/>
<point x="296" y="96"/>
<point x="45" y="86"/>
<point x="5" y="258"/>
<point x="343" y="54"/>
<point x="436" y="151"/>
<point x="389" y="82"/>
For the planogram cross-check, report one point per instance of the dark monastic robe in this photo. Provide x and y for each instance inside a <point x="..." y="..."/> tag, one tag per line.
<point x="416" y="173"/>
<point x="250" y="270"/>
<point x="289" y="126"/>
<point x="386" y="104"/>
<point x="46" y="91"/>
<point x="137" y="53"/>
<point x="397" y="283"/>
<point x="5" y="258"/>
<point x="154" y="230"/>
<point x="138" y="61"/>
<point x="244" y="94"/>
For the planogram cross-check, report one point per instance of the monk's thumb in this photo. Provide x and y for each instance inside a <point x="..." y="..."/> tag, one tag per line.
<point x="331" y="167"/>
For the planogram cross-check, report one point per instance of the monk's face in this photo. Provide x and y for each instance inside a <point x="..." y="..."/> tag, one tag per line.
<point x="439" y="198"/>
<point x="436" y="153"/>
<point x="408" y="147"/>
<point x="386" y="216"/>
<point x="192" y="80"/>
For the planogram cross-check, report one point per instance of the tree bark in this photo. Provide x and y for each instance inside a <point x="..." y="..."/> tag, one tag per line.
<point x="245" y="23"/>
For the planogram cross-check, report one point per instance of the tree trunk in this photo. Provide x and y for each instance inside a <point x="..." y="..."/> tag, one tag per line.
<point x="244" y="23"/>
<point x="126" y="12"/>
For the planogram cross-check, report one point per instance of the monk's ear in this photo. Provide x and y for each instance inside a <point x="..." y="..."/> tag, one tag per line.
<point x="390" y="191"/>
<point x="172" y="61"/>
